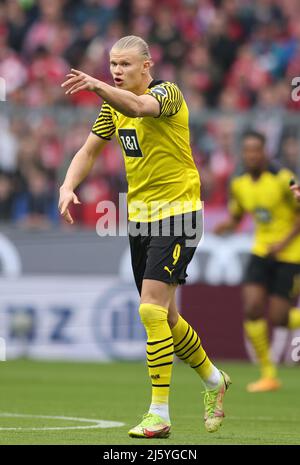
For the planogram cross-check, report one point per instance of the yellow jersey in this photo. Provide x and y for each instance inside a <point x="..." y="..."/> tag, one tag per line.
<point x="161" y="174"/>
<point x="271" y="204"/>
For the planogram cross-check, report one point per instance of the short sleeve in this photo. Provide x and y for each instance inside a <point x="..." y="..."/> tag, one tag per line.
<point x="104" y="125"/>
<point x="234" y="206"/>
<point x="168" y="96"/>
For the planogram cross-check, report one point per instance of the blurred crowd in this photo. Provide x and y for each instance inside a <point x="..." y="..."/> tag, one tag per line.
<point x="234" y="61"/>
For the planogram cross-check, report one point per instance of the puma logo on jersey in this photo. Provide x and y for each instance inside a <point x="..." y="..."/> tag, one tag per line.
<point x="169" y="271"/>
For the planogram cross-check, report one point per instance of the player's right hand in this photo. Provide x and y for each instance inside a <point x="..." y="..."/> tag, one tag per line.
<point x="66" y="196"/>
<point x="222" y="228"/>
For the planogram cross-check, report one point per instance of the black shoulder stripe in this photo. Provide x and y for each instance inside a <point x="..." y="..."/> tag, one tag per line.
<point x="155" y="82"/>
<point x="104" y="126"/>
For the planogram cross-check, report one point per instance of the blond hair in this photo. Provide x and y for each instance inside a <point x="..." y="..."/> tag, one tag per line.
<point x="136" y="42"/>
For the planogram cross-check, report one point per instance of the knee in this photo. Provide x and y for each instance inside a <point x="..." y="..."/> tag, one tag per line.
<point x="278" y="319"/>
<point x="151" y="312"/>
<point x="154" y="298"/>
<point x="252" y="314"/>
<point x="252" y="311"/>
<point x="172" y="319"/>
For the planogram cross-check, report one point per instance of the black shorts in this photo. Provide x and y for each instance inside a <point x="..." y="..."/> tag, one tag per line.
<point x="162" y="250"/>
<point x="279" y="278"/>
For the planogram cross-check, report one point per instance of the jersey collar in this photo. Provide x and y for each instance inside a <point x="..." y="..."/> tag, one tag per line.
<point x="154" y="82"/>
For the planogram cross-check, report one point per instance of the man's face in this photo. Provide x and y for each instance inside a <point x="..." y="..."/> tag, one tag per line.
<point x="127" y="68"/>
<point x="253" y="154"/>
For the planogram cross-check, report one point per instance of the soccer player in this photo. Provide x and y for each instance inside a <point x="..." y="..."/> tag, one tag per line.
<point x="150" y="121"/>
<point x="273" y="271"/>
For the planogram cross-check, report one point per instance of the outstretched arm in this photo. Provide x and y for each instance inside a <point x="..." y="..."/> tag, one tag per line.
<point x="79" y="168"/>
<point x="227" y="226"/>
<point x="124" y="101"/>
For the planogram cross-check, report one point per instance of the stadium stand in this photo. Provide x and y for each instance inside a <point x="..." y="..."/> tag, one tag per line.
<point x="233" y="60"/>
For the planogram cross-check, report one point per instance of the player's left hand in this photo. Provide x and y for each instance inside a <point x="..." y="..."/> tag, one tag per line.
<point x="77" y="80"/>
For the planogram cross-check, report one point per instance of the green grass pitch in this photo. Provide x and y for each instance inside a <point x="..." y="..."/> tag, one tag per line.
<point x="120" y="392"/>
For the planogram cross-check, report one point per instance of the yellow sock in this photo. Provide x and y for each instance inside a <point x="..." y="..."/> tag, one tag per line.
<point x="160" y="350"/>
<point x="257" y="333"/>
<point x="294" y="318"/>
<point x="188" y="347"/>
